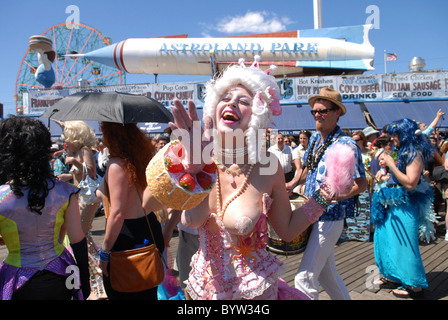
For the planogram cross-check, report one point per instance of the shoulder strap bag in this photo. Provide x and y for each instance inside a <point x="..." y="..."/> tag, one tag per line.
<point x="138" y="269"/>
<point x="88" y="186"/>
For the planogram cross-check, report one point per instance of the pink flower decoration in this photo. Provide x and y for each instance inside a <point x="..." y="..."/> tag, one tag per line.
<point x="258" y="98"/>
<point x="275" y="104"/>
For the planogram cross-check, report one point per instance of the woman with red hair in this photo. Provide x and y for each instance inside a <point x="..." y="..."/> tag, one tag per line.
<point x="124" y="182"/>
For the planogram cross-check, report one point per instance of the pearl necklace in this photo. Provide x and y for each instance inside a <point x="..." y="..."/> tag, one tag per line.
<point x="239" y="192"/>
<point x="231" y="153"/>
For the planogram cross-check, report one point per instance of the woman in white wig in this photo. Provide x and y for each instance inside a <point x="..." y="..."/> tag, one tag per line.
<point x="232" y="261"/>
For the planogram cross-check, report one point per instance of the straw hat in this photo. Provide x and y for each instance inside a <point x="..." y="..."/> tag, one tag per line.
<point x="330" y="95"/>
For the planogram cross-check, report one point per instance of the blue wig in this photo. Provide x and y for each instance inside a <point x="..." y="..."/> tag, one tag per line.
<point x="412" y="141"/>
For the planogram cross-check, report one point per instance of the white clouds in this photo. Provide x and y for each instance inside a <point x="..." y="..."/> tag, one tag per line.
<point x="251" y="22"/>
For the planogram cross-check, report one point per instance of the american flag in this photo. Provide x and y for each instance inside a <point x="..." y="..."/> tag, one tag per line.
<point x="391" y="56"/>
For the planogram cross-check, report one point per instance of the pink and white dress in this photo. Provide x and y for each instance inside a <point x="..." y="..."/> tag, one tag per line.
<point x="236" y="267"/>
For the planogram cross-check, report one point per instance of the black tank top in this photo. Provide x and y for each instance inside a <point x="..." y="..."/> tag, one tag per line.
<point x="135" y="231"/>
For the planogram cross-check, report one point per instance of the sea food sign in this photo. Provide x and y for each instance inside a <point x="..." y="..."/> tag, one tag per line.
<point x="238" y="47"/>
<point x="415" y="85"/>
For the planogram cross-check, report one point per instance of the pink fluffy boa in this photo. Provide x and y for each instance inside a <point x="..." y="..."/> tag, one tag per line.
<point x="340" y="163"/>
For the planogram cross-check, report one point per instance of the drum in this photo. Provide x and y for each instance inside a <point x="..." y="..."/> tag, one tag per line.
<point x="277" y="245"/>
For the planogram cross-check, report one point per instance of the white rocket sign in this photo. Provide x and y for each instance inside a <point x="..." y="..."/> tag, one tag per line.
<point x="346" y="48"/>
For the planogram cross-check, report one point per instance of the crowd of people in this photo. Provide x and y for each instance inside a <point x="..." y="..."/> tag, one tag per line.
<point x="223" y="251"/>
<point x="369" y="140"/>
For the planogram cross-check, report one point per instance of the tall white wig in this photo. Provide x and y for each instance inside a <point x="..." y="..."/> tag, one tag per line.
<point x="265" y="104"/>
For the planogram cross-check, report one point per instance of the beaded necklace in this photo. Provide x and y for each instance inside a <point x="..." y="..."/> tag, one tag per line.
<point x="314" y="157"/>
<point x="231" y="153"/>
<point x="239" y="192"/>
<point x="231" y="173"/>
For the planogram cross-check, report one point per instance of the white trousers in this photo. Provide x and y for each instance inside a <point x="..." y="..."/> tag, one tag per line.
<point x="318" y="264"/>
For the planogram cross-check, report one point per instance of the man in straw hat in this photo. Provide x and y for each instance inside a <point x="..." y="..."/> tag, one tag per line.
<point x="318" y="264"/>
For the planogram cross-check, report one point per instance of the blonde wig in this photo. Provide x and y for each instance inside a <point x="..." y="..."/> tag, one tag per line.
<point x="79" y="133"/>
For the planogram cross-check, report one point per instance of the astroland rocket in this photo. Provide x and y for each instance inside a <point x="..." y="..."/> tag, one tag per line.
<point x="327" y="50"/>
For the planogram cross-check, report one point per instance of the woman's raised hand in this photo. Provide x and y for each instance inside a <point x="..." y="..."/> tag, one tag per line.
<point x="196" y="140"/>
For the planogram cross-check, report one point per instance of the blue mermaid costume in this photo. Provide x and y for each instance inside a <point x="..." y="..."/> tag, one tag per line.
<point x="401" y="218"/>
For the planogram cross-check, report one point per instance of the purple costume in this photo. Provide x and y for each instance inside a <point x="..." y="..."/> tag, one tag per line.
<point x="33" y="240"/>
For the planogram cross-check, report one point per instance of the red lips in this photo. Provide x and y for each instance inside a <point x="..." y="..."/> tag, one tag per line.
<point x="229" y="116"/>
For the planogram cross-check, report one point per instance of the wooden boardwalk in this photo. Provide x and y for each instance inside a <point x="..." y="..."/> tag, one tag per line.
<point x="355" y="263"/>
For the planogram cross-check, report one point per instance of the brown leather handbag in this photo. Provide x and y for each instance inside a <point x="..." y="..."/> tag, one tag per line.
<point x="138" y="269"/>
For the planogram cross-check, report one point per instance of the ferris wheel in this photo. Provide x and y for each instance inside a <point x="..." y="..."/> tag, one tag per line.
<point x="79" y="38"/>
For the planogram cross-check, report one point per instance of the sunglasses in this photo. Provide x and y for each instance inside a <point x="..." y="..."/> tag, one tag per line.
<point x="322" y="111"/>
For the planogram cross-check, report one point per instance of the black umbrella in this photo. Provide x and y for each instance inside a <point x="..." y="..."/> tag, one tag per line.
<point x="110" y="107"/>
<point x="62" y="107"/>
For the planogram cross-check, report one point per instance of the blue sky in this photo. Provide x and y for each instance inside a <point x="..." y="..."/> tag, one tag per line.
<point x="408" y="28"/>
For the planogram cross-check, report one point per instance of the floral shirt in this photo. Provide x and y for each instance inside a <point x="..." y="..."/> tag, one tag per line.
<point x="59" y="166"/>
<point x="341" y="209"/>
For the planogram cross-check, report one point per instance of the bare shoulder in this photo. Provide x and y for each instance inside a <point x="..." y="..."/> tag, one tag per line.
<point x="86" y="151"/>
<point x="116" y="167"/>
<point x="116" y="160"/>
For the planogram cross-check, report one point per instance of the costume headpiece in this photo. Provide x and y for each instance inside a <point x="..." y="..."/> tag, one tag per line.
<point x="260" y="83"/>
<point x="263" y="86"/>
<point x="271" y="95"/>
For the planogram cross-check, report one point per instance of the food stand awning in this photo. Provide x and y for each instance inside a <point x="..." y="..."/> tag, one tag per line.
<point x="384" y="113"/>
<point x="296" y="117"/>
